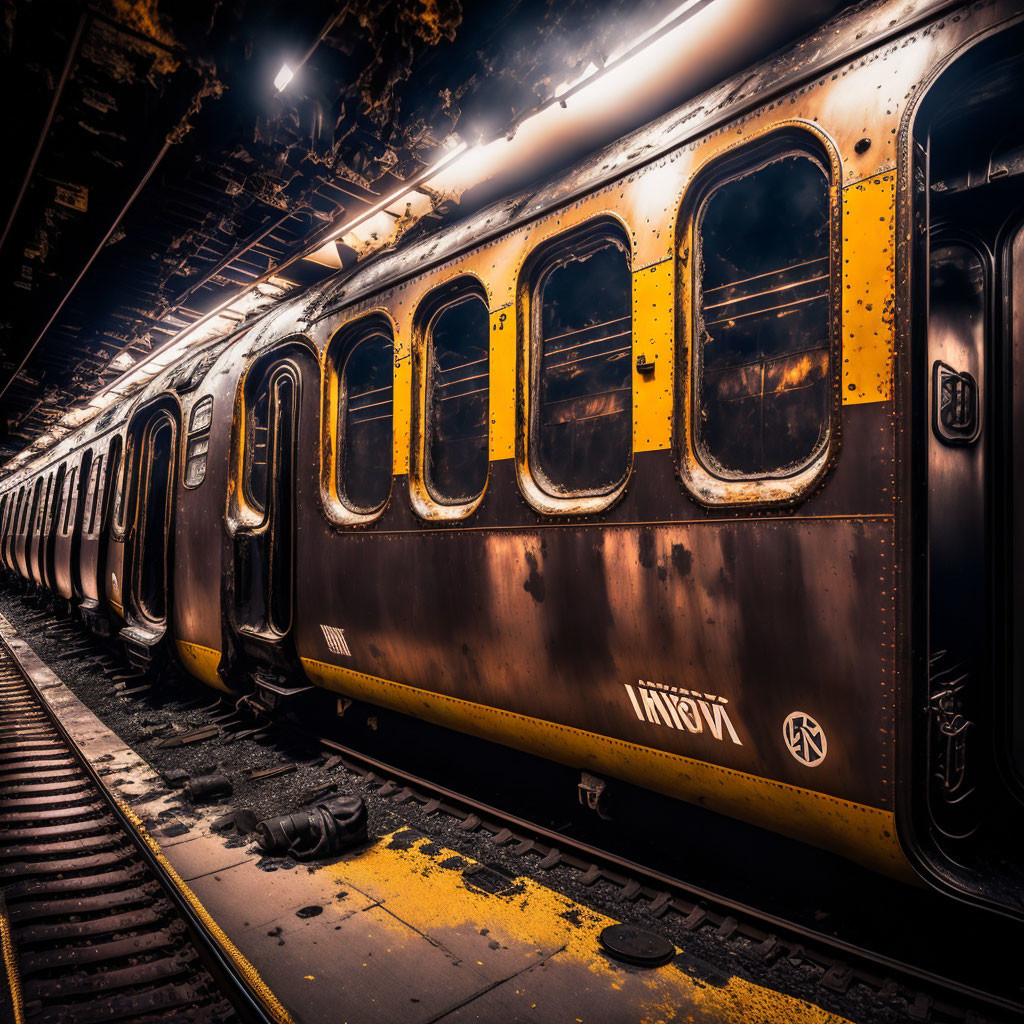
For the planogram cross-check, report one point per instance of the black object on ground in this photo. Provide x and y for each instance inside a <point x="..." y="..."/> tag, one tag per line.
<point x="207" y="787"/>
<point x="324" y="829"/>
<point x="637" y="946"/>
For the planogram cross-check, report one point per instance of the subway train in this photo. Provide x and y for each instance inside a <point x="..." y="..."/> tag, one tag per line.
<point x="696" y="466"/>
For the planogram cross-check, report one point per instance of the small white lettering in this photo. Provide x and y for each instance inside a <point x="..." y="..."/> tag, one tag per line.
<point x="659" y="704"/>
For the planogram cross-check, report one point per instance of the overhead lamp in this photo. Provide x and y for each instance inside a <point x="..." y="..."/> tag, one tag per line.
<point x="284" y="76"/>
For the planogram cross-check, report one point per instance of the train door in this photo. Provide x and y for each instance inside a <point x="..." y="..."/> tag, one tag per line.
<point x="106" y="511"/>
<point x="6" y="504"/>
<point x="28" y="528"/>
<point x="150" y="529"/>
<point x="261" y="583"/>
<point x="19" y="540"/>
<point x="969" y="759"/>
<point x="12" y="530"/>
<point x="52" y="525"/>
<point x="75" y="522"/>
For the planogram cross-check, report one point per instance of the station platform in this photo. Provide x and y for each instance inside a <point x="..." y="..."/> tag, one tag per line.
<point x="403" y="928"/>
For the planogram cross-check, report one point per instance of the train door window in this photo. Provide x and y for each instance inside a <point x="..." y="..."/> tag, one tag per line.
<point x="153" y="522"/>
<point x="112" y="470"/>
<point x="762" y="339"/>
<point x="197" y="446"/>
<point x="33" y="521"/>
<point x="26" y="492"/>
<point x="92" y="498"/>
<point x="456" y="405"/>
<point x="365" y="387"/>
<point x="69" y="501"/>
<point x="257" y="434"/>
<point x="581" y="402"/>
<point x="121" y="487"/>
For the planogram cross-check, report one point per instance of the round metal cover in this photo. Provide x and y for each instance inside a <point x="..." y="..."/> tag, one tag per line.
<point x="636" y="946"/>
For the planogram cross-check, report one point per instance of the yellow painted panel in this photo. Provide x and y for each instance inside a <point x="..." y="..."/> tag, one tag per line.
<point x="403" y="400"/>
<point x="869" y="281"/>
<point x="552" y="942"/>
<point x="503" y="383"/>
<point x="865" y="834"/>
<point x="201" y="662"/>
<point x="653" y="338"/>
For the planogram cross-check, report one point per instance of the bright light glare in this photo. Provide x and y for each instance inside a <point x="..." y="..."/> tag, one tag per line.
<point x="284" y="76"/>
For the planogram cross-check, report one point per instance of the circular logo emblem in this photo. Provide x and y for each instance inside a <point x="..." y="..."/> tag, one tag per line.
<point x="805" y="739"/>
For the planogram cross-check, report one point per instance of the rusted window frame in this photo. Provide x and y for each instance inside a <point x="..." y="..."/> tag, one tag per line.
<point x="425" y="502"/>
<point x="529" y="311"/>
<point x="703" y="485"/>
<point x="343" y="342"/>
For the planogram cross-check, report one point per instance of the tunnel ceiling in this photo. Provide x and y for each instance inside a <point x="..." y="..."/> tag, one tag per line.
<point x="155" y="168"/>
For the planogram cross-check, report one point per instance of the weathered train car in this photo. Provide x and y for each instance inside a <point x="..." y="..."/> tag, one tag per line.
<point x="693" y="467"/>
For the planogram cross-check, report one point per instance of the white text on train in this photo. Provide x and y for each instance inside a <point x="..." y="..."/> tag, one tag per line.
<point x="681" y="709"/>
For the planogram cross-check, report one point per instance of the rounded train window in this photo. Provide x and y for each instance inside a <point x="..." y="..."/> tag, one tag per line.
<point x="761" y="300"/>
<point x="365" y="414"/>
<point x="456" y="453"/>
<point x="581" y="338"/>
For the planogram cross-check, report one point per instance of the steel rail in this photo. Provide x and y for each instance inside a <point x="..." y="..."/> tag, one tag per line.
<point x="224" y="971"/>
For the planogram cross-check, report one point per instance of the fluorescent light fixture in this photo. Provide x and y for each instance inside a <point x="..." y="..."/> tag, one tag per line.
<point x="284" y="76"/>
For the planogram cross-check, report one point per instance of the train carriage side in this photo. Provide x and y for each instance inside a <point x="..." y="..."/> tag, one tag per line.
<point x="729" y="641"/>
<point x="732" y="641"/>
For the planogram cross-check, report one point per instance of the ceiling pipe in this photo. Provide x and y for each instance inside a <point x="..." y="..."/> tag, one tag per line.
<point x="88" y="263"/>
<point x="58" y="93"/>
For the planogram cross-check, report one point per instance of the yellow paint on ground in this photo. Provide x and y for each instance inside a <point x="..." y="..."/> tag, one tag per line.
<point x="547" y="944"/>
<point x="201" y="662"/>
<point x="862" y="833"/>
<point x="869" y="282"/>
<point x="503" y="383"/>
<point x="653" y="337"/>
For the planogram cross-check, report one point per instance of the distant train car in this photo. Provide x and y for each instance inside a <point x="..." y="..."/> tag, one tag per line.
<point x="696" y="467"/>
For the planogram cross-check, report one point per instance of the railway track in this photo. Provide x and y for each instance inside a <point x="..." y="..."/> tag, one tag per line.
<point x="98" y="933"/>
<point x="667" y="901"/>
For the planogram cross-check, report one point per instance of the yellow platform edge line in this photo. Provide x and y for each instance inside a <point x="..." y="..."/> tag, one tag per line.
<point x="249" y="973"/>
<point x="11" y="967"/>
<point x="857" y="831"/>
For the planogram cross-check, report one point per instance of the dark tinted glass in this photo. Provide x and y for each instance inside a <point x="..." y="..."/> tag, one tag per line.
<point x="763" y="365"/>
<point x="70" y="500"/>
<point x="583" y="419"/>
<point x="256" y="448"/>
<point x="457" y="401"/>
<point x="364" y="465"/>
